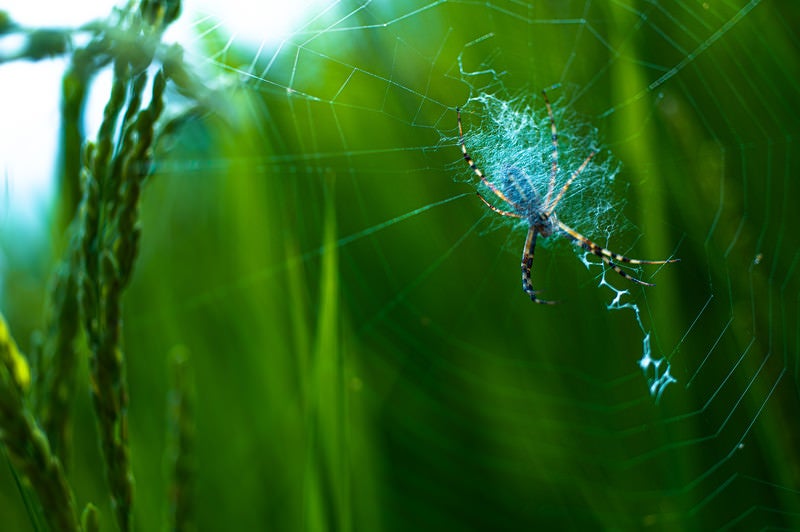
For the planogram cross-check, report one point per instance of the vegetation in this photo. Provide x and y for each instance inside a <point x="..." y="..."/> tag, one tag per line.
<point x="85" y="311"/>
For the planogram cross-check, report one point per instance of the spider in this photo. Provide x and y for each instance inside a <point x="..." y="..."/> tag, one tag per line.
<point x="540" y="215"/>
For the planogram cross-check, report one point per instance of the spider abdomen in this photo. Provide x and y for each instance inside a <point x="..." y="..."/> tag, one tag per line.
<point x="519" y="187"/>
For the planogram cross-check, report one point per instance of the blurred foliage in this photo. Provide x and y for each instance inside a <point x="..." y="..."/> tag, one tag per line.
<point x="355" y="375"/>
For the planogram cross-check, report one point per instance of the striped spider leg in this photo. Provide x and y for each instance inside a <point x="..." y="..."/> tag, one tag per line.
<point x="518" y="192"/>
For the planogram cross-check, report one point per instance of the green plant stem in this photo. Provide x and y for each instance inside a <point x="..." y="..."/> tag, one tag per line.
<point x="59" y="363"/>
<point x="27" y="446"/>
<point x="113" y="177"/>
<point x="180" y="442"/>
<point x="100" y="298"/>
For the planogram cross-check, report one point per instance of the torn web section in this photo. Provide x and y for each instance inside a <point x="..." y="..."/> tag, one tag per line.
<point x="656" y="371"/>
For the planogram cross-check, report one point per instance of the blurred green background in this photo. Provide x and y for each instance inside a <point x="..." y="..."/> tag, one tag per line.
<point x="364" y="356"/>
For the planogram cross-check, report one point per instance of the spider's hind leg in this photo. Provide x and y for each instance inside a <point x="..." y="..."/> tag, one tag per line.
<point x="609" y="256"/>
<point x="527" y="264"/>
<point x="622" y="272"/>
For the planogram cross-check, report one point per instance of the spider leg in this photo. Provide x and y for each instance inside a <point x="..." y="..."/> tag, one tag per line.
<point x="475" y="168"/>
<point x="623" y="273"/>
<point x="599" y="250"/>
<point x="609" y="256"/>
<point x="554" y="156"/>
<point x="527" y="264"/>
<point x="551" y="207"/>
<point x="499" y="211"/>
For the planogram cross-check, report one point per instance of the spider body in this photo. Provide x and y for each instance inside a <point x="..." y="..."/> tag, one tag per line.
<point x="516" y="189"/>
<point x="527" y="199"/>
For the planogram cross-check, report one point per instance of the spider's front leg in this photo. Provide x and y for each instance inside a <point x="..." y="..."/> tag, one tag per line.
<point x="527" y="264"/>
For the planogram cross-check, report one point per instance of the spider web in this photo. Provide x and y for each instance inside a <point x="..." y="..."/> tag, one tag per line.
<point x="467" y="406"/>
<point x="693" y="109"/>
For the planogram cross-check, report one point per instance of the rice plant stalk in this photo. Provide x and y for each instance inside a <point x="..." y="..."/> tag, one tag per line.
<point x="180" y="442"/>
<point x="114" y="172"/>
<point x="26" y="444"/>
